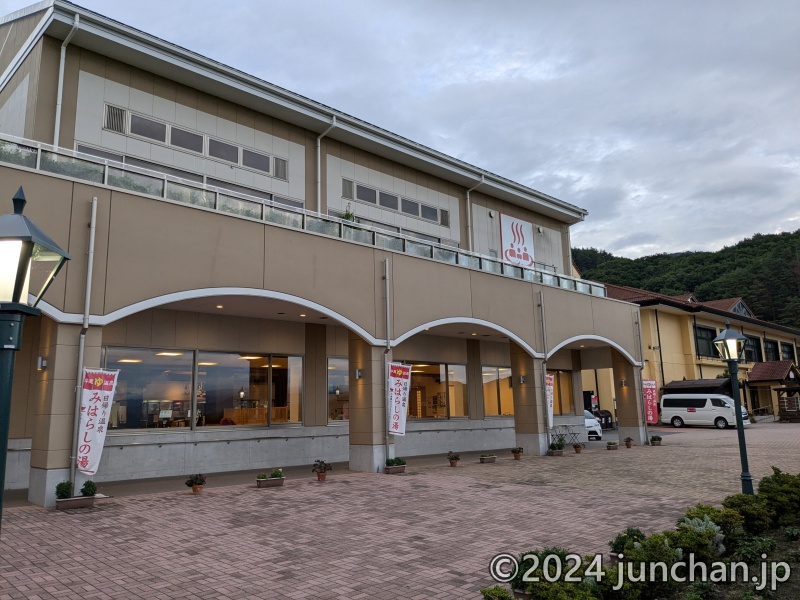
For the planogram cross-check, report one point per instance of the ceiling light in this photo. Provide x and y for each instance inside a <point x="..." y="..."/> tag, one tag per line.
<point x="302" y="315"/>
<point x="129" y="360"/>
<point x="474" y="334"/>
<point x="250" y="357"/>
<point x="219" y="306"/>
<point x="169" y="353"/>
<point x="206" y="364"/>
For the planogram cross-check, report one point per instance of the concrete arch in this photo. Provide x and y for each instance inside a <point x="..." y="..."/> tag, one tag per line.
<point x="597" y="338"/>
<point x="469" y="320"/>
<point x="155" y="302"/>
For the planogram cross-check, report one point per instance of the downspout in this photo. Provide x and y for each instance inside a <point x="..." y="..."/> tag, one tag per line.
<point x="696" y="347"/>
<point x="469" y="214"/>
<point x="660" y="352"/>
<point x="82" y="343"/>
<point x="319" y="163"/>
<point x="386" y="353"/>
<point x="59" y="97"/>
<point x="544" y="362"/>
<point x="640" y="374"/>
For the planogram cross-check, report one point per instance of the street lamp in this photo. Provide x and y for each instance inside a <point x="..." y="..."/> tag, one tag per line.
<point x="730" y="345"/>
<point x="25" y="253"/>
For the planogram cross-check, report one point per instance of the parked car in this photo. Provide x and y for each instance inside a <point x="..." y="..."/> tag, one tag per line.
<point x="700" y="409"/>
<point x="592" y="426"/>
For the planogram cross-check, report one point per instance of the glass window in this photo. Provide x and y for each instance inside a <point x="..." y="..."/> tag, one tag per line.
<point x="186" y="139"/>
<point x="787" y="351"/>
<point x="771" y="350"/>
<point x="498" y="398"/>
<point x="338" y="390"/>
<point x="562" y="393"/>
<point x="388" y="200"/>
<point x="410" y="207"/>
<point x="287" y="389"/>
<point x="438" y="391"/>
<point x="223" y="151"/>
<point x="148" y="128"/>
<point x="752" y="349"/>
<point x="254" y="160"/>
<point x="232" y="388"/>
<point x="429" y="212"/>
<point x="154" y="388"/>
<point x="366" y="194"/>
<point x="705" y="341"/>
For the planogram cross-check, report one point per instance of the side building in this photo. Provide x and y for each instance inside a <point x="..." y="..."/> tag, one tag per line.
<point x="260" y="257"/>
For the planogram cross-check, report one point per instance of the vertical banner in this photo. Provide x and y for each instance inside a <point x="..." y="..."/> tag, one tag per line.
<point x="97" y="394"/>
<point x="399" y="380"/>
<point x="650" y="393"/>
<point x="549" y="388"/>
<point x="516" y="239"/>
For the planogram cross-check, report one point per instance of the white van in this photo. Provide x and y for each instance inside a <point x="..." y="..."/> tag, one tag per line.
<point x="700" y="409"/>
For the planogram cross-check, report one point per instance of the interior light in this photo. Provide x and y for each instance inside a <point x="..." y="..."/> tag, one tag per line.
<point x="207" y="364"/>
<point x="302" y="315"/>
<point x="250" y="357"/>
<point x="219" y="306"/>
<point x="474" y="334"/>
<point x="169" y="353"/>
<point x="129" y="360"/>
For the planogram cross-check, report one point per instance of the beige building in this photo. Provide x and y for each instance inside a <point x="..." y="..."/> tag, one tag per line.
<point x="257" y="260"/>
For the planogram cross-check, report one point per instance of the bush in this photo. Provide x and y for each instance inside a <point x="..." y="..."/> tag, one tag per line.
<point x="276" y="473"/>
<point x="89" y="488"/>
<point x="791" y="534"/>
<point x="496" y="593"/>
<point x="730" y="521"/>
<point x="561" y="590"/>
<point x="395" y="462"/>
<point x="781" y="492"/>
<point x="757" y="514"/>
<point x="631" y="534"/>
<point x="196" y="479"/>
<point x="654" y="548"/>
<point x="526" y="563"/>
<point x="752" y="547"/>
<point x="64" y="490"/>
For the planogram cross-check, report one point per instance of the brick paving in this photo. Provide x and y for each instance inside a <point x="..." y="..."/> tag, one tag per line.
<point x="427" y="534"/>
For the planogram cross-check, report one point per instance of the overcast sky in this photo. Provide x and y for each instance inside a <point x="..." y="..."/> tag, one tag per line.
<point x="675" y="124"/>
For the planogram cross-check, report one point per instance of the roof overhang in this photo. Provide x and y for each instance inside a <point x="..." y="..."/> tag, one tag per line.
<point x="133" y="47"/>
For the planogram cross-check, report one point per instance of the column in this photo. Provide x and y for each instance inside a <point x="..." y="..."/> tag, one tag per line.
<point x="530" y="416"/>
<point x="630" y="412"/>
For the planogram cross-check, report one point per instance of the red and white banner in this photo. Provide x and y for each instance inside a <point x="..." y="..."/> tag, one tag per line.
<point x="97" y="394"/>
<point x="399" y="381"/>
<point x="549" y="389"/>
<point x="516" y="239"/>
<point x="650" y="393"/>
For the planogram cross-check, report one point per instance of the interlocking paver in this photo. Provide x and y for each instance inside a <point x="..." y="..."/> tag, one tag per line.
<point x="427" y="534"/>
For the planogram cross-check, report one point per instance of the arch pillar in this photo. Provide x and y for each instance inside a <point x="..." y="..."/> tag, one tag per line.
<point x="530" y="414"/>
<point x="630" y="411"/>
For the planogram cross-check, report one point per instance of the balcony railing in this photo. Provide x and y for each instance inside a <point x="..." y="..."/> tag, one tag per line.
<point x="85" y="167"/>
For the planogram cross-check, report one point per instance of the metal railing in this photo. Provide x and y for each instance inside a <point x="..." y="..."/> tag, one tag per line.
<point x="86" y="167"/>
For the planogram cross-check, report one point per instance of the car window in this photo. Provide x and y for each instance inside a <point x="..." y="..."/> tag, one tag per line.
<point x="719" y="403"/>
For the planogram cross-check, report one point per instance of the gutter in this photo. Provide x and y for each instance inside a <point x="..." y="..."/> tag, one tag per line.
<point x="62" y="62"/>
<point x="319" y="163"/>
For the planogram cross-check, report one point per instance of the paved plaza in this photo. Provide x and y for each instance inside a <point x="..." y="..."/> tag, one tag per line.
<point x="427" y="534"/>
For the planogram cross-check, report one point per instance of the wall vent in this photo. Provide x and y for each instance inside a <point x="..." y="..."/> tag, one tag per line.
<point x="115" y="119"/>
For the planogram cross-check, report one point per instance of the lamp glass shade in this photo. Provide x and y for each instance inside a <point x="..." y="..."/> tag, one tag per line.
<point x="730" y="344"/>
<point x="241" y="393"/>
<point x="14" y="282"/>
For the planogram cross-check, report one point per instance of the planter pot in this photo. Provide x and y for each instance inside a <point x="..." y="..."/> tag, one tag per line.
<point x="270" y="482"/>
<point x="488" y="459"/>
<point x="394" y="470"/>
<point x="578" y="449"/>
<point x="321" y="476"/>
<point x="197" y="489"/>
<point x="76" y="502"/>
<point x="517" y="456"/>
<point x="453" y="463"/>
<point x="657" y="443"/>
<point x="628" y="445"/>
<point x="555" y="453"/>
<point x="612" y="447"/>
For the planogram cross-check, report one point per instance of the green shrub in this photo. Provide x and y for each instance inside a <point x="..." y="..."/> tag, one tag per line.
<point x="89" y="488"/>
<point x="605" y="587"/>
<point x="781" y="492"/>
<point x="395" y="462"/>
<point x="561" y="590"/>
<point x="64" y="490"/>
<point x="654" y="548"/>
<point x="757" y="514"/>
<point x="791" y="534"/>
<point x="526" y="563"/>
<point x="618" y="544"/>
<point x="496" y="593"/>
<point x="700" y="537"/>
<point x="729" y="520"/>
<point x="752" y="547"/>
<point x="276" y="473"/>
<point x="701" y="590"/>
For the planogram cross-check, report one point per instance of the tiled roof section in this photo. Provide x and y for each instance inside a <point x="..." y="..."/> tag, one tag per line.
<point x="687" y="297"/>
<point x="775" y="370"/>
<point x="727" y="304"/>
<point x="631" y="294"/>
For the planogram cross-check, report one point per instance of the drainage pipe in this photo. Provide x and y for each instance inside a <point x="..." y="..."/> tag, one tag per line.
<point x="319" y="163"/>
<point x="82" y="344"/>
<point x="386" y="354"/>
<point x="59" y="97"/>
<point x="469" y="214"/>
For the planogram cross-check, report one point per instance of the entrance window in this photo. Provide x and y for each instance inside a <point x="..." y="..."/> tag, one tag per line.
<point x="232" y="388"/>
<point x="752" y="349"/>
<point x="498" y="398"/>
<point x="563" y="403"/>
<point x="437" y="391"/>
<point x="338" y="389"/>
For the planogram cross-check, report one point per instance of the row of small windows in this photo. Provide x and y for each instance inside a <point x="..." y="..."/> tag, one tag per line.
<point x="116" y="120"/>
<point x="393" y="202"/>
<point x="773" y="351"/>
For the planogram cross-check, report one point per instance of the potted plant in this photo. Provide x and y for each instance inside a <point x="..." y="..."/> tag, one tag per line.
<point x="488" y="458"/>
<point x="578" y="448"/>
<point x="321" y="468"/>
<point x="517" y="452"/>
<point x="274" y="479"/>
<point x="655" y="440"/>
<point x="612" y="445"/>
<point x="628" y="442"/>
<point x="65" y="500"/>
<point x="394" y="466"/>
<point x="196" y="482"/>
<point x="557" y="446"/>
<point x="453" y="457"/>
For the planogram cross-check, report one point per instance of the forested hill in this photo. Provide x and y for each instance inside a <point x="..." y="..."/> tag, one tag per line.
<point x="764" y="270"/>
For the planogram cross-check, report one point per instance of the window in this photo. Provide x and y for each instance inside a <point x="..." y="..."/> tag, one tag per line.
<point x="254" y="160"/>
<point x="704" y="337"/>
<point x="347" y="189"/>
<point x="410" y="207"/>
<point x="225" y="185"/>
<point x="99" y="153"/>
<point x="771" y="350"/>
<point x="223" y="151"/>
<point x="437" y="391"/>
<point x="718" y="403"/>
<point x="366" y="194"/>
<point x="498" y="399"/>
<point x="685" y="402"/>
<point x="563" y="403"/>
<point x="429" y="212"/>
<point x="338" y="390"/>
<point x="287" y="202"/>
<point x="787" y="351"/>
<point x="752" y="349"/>
<point x="444" y="218"/>
<point x="281" y="168"/>
<point x="186" y="139"/>
<point x="421" y="236"/>
<point x="136" y="162"/>
<point x="388" y="200"/>
<point x="148" y="128"/>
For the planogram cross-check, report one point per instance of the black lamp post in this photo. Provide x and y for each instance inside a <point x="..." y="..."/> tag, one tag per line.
<point x="26" y="254"/>
<point x="730" y="345"/>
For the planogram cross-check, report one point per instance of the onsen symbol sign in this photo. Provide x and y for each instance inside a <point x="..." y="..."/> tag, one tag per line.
<point x="516" y="238"/>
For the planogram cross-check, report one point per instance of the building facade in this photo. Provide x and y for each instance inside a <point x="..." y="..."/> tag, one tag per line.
<point x="251" y="260"/>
